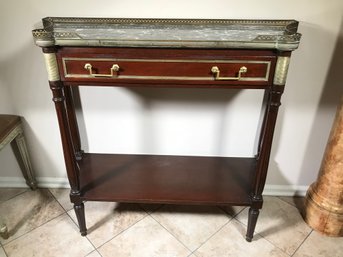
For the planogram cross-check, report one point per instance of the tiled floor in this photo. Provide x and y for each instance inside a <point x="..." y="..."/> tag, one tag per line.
<point x="42" y="223"/>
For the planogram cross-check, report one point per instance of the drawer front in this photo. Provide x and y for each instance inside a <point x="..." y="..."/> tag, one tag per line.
<point x="166" y="69"/>
<point x="197" y="69"/>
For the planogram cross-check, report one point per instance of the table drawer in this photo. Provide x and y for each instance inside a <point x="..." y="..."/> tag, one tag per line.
<point x="149" y="70"/>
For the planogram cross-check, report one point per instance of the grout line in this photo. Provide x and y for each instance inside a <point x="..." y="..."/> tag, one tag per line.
<point x="77" y="225"/>
<point x="80" y="234"/>
<point x="140" y="207"/>
<point x="260" y="235"/>
<point x="273" y="244"/>
<point x="33" y="229"/>
<point x="91" y="244"/>
<point x="255" y="232"/>
<point x="96" y="248"/>
<point x="294" y="205"/>
<point x="235" y="214"/>
<point x="212" y="236"/>
<point x="98" y="252"/>
<point x="29" y="231"/>
<point x="192" y="254"/>
<point x="58" y="201"/>
<point x="230" y="218"/>
<point x="14" y="196"/>
<point x="302" y="242"/>
<point x="6" y="255"/>
<point x="121" y="232"/>
<point x="66" y="211"/>
<point x="159" y="207"/>
<point x="171" y="234"/>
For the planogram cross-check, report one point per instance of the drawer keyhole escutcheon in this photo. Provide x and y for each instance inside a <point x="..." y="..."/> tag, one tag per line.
<point x="114" y="68"/>
<point x="216" y="72"/>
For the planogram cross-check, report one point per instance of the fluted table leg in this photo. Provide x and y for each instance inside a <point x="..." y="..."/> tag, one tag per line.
<point x="324" y="199"/>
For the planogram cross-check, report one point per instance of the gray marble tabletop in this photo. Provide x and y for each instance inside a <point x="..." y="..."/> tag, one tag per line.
<point x="198" y="33"/>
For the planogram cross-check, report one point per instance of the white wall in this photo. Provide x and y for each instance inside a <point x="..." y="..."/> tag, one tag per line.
<point x="177" y="121"/>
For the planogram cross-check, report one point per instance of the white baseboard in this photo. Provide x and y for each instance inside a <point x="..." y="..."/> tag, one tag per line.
<point x="6" y="182"/>
<point x="50" y="182"/>
<point x="285" y="190"/>
<point x="43" y="182"/>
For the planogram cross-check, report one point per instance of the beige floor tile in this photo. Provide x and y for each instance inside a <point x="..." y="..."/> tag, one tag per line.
<point x="7" y="193"/>
<point x="146" y="238"/>
<point x="62" y="196"/>
<point x="93" y="254"/>
<point x="105" y="219"/>
<point x="2" y="253"/>
<point x="296" y="201"/>
<point x="58" y="237"/>
<point x="317" y="245"/>
<point x="28" y="211"/>
<point x="192" y="225"/>
<point x="230" y="242"/>
<point x="280" y="223"/>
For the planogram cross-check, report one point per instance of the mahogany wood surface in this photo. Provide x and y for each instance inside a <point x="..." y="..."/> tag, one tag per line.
<point x="7" y="124"/>
<point x="180" y="54"/>
<point x="166" y="179"/>
<point x="164" y="68"/>
<point x="75" y="135"/>
<point x="185" y="63"/>
<point x="58" y="92"/>
<point x="155" y="178"/>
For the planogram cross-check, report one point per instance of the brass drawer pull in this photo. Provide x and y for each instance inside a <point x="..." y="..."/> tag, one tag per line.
<point x="115" y="68"/>
<point x="215" y="70"/>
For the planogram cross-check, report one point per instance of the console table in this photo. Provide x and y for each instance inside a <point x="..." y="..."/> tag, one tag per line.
<point x="243" y="54"/>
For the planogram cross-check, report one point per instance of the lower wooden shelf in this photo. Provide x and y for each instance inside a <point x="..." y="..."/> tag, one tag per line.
<point x="166" y="179"/>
